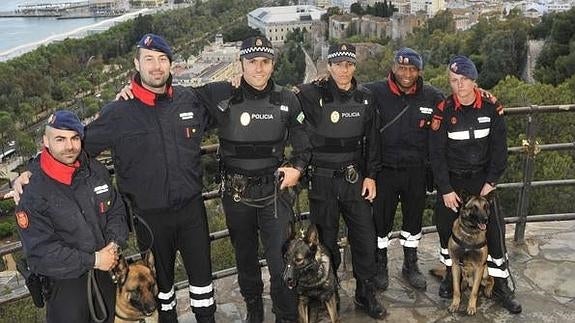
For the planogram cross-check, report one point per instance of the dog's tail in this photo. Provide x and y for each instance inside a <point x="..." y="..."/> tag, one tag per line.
<point x="438" y="271"/>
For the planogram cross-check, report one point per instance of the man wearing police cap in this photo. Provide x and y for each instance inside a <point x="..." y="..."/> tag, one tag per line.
<point x="405" y="105"/>
<point x="342" y="127"/>
<point x="468" y="150"/>
<point x="71" y="222"/>
<point x="255" y="123"/>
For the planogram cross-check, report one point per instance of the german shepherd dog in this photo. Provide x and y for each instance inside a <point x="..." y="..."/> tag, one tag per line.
<point x="136" y="289"/>
<point x="309" y="271"/>
<point x="468" y="251"/>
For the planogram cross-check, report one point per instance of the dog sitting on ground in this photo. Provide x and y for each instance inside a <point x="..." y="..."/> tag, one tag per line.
<point x="467" y="248"/>
<point x="309" y="271"/>
<point x="136" y="289"/>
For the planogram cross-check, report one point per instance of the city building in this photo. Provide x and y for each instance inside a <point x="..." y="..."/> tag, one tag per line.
<point x="276" y="22"/>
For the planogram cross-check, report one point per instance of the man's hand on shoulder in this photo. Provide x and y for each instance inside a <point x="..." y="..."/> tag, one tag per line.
<point x="18" y="186"/>
<point x="125" y="93"/>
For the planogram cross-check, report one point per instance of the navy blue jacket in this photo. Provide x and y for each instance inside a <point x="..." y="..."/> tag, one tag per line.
<point x="65" y="217"/>
<point x="405" y="142"/>
<point x="155" y="142"/>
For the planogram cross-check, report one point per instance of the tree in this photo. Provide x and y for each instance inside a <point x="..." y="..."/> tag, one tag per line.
<point x="356" y="8"/>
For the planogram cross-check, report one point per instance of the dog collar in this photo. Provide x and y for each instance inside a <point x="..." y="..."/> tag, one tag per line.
<point x="466" y="245"/>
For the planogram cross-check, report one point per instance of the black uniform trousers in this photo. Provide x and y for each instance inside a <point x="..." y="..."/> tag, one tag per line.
<point x="185" y="230"/>
<point x="247" y="224"/>
<point x="68" y="300"/>
<point x="330" y="196"/>
<point x="444" y="218"/>
<point x="405" y="185"/>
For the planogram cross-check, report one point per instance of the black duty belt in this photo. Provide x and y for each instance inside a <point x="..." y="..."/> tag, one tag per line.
<point x="349" y="173"/>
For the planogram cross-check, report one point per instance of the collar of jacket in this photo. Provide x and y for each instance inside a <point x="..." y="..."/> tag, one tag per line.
<point x="477" y="104"/>
<point x="55" y="169"/>
<point x="252" y="93"/>
<point x="395" y="89"/>
<point x="148" y="97"/>
<point x="343" y="93"/>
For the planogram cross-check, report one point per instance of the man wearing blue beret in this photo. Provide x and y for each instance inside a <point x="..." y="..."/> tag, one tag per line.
<point x="468" y="151"/>
<point x="405" y="105"/>
<point x="71" y="222"/>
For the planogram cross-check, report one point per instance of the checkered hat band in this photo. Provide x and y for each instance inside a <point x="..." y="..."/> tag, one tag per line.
<point x="339" y="54"/>
<point x="256" y="50"/>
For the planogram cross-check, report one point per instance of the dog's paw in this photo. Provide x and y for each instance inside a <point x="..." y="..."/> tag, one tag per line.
<point x="471" y="310"/>
<point x="453" y="307"/>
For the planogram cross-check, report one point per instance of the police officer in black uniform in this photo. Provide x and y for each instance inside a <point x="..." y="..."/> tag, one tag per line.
<point x="71" y="221"/>
<point x="342" y="126"/>
<point x="405" y="105"/>
<point x="468" y="150"/>
<point x="255" y="123"/>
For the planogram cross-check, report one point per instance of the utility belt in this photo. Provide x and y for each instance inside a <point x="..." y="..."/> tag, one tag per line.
<point x="350" y="173"/>
<point x="237" y="186"/>
<point x="457" y="173"/>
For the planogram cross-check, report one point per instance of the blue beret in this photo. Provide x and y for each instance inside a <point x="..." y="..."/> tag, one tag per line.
<point x="256" y="46"/>
<point x="66" y="120"/>
<point x="462" y="65"/>
<point x="156" y="43"/>
<point x="408" y="56"/>
<point x="341" y="52"/>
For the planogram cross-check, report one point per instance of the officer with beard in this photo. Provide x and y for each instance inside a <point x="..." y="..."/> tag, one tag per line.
<point x="342" y="127"/>
<point x="405" y="105"/>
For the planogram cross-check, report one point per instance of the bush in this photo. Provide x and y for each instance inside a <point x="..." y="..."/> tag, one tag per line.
<point x="7" y="229"/>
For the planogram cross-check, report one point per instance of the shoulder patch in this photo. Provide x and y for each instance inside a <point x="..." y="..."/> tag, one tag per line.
<point x="22" y="219"/>
<point x="300" y="117"/>
<point x="436" y="122"/>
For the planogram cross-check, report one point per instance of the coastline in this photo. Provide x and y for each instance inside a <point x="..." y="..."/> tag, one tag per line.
<point x="76" y="33"/>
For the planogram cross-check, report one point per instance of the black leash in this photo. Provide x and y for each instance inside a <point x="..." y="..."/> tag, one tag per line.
<point x="147" y="226"/>
<point x="93" y="287"/>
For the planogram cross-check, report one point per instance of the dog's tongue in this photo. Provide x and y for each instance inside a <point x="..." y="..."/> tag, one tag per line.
<point x="482" y="226"/>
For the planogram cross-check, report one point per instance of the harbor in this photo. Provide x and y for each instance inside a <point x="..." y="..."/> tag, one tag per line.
<point x="69" y="10"/>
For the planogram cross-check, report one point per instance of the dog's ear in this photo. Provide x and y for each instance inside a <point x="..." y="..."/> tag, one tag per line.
<point x="290" y="232"/>
<point x="149" y="261"/>
<point x="120" y="272"/>
<point x="465" y="196"/>
<point x="312" y="236"/>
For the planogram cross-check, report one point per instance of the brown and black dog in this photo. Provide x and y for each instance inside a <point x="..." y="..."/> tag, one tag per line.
<point x="468" y="251"/>
<point x="309" y="271"/>
<point x="136" y="289"/>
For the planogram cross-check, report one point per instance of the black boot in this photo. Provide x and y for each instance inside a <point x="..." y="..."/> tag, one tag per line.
<point x="503" y="295"/>
<point x="381" y="279"/>
<point x="410" y="270"/>
<point x="446" y="286"/>
<point x="255" y="308"/>
<point x="365" y="299"/>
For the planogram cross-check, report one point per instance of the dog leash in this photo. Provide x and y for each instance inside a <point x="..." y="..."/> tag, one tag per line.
<point x="93" y="287"/>
<point x="147" y="226"/>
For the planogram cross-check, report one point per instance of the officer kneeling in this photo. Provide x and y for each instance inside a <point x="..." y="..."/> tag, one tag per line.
<point x="71" y="222"/>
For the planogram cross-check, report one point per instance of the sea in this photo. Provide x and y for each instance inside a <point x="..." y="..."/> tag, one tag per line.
<point x="20" y="35"/>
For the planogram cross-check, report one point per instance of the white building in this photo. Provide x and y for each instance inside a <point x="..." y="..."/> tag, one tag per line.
<point x="430" y="7"/>
<point x="276" y="22"/>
